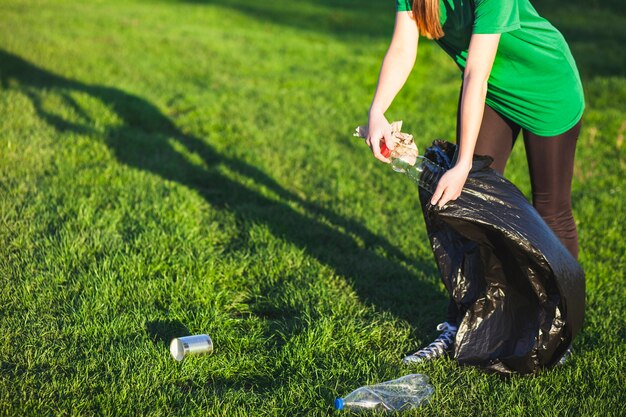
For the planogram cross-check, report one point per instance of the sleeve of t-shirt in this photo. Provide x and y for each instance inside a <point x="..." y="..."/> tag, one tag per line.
<point x="496" y="16"/>
<point x="403" y="5"/>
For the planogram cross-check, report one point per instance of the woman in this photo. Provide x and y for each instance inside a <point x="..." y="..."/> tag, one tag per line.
<point x="518" y="74"/>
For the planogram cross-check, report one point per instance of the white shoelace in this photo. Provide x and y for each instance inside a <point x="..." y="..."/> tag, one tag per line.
<point x="438" y="347"/>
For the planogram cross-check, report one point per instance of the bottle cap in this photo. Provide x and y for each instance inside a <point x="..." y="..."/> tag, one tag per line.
<point x="384" y="150"/>
<point x="338" y="403"/>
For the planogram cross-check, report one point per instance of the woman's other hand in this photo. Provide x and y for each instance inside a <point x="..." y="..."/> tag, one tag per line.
<point x="450" y="185"/>
<point x="379" y="130"/>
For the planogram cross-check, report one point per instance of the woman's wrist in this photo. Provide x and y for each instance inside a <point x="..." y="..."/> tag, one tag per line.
<point x="464" y="163"/>
<point x="375" y="111"/>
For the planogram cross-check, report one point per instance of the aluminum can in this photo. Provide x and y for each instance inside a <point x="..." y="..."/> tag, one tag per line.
<point x="196" y="344"/>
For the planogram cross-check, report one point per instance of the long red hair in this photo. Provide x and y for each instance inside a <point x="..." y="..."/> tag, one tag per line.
<point x="426" y="13"/>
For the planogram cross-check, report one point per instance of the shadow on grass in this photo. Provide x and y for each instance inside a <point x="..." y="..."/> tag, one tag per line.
<point x="341" y="18"/>
<point x="163" y="331"/>
<point x="144" y="140"/>
<point x="594" y="29"/>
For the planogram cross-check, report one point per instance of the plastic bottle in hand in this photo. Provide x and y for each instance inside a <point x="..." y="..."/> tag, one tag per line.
<point x="404" y="393"/>
<point x="422" y="171"/>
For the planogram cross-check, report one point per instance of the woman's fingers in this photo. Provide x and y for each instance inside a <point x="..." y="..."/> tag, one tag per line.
<point x="447" y="196"/>
<point x="438" y="193"/>
<point x="374" y="144"/>
<point x="379" y="130"/>
<point x="444" y="194"/>
<point x="389" y="139"/>
<point x="450" y="186"/>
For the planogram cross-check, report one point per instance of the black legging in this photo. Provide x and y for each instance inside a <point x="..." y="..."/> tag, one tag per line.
<point x="550" y="164"/>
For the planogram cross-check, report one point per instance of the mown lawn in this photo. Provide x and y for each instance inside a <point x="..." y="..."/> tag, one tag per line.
<point x="171" y="168"/>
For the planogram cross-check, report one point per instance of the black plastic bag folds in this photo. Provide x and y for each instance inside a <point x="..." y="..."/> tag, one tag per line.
<point x="520" y="294"/>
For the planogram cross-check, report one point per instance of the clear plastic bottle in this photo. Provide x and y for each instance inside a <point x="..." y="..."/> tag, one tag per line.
<point x="409" y="391"/>
<point x="422" y="171"/>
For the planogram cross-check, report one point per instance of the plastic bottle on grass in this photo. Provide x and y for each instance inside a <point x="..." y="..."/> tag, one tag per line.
<point x="409" y="391"/>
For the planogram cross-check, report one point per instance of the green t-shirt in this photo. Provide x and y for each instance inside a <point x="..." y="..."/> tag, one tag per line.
<point x="534" y="80"/>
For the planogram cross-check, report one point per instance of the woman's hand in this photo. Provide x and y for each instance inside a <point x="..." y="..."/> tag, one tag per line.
<point x="451" y="184"/>
<point x="379" y="130"/>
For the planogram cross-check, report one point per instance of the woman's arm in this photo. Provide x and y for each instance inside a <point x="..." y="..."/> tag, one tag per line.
<point x="481" y="54"/>
<point x="394" y="72"/>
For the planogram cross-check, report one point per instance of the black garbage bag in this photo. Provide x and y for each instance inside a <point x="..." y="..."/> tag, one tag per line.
<point x="520" y="294"/>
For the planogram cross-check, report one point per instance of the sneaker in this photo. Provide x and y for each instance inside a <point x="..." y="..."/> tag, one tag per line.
<point x="565" y="357"/>
<point x="438" y="348"/>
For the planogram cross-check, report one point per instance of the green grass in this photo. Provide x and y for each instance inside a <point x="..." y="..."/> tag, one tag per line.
<point x="171" y="168"/>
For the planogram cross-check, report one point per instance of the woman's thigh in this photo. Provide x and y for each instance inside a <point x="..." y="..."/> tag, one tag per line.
<point x="496" y="137"/>
<point x="551" y="164"/>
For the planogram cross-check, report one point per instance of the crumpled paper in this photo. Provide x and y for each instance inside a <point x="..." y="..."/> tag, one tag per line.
<point x="405" y="148"/>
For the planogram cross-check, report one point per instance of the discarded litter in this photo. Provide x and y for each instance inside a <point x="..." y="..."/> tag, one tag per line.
<point x="407" y="392"/>
<point x="196" y="344"/>
<point x="405" y="159"/>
